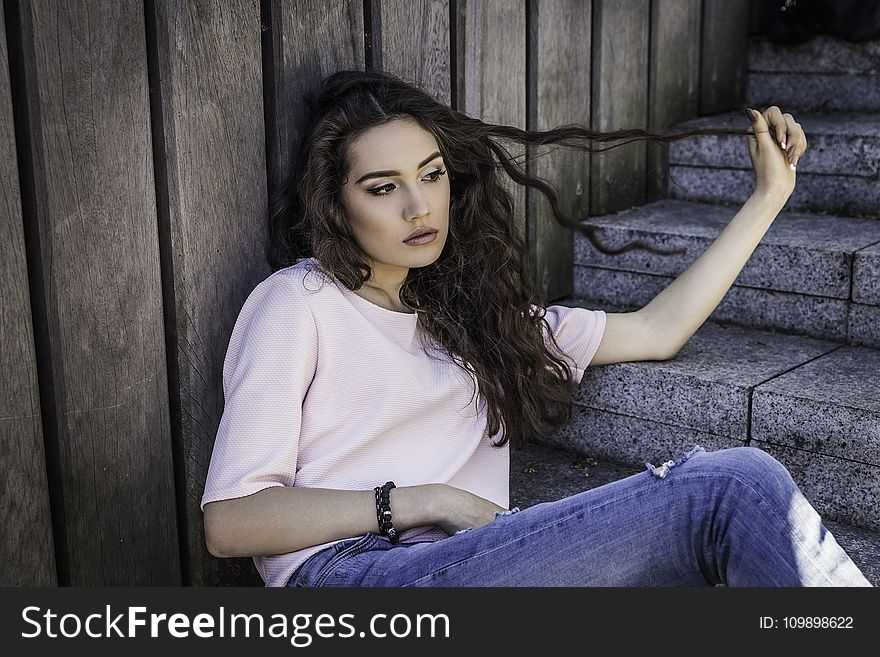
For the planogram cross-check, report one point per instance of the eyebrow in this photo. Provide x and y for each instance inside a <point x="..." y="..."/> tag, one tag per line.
<point x="391" y="172"/>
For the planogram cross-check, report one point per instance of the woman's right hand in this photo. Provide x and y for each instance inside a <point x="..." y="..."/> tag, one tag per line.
<point x="462" y="509"/>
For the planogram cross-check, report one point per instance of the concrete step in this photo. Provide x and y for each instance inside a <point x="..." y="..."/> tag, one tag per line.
<point x="839" y="174"/>
<point x="542" y="473"/>
<point x="864" y="312"/>
<point x="804" y="277"/>
<point x="825" y="74"/>
<point x="730" y="386"/>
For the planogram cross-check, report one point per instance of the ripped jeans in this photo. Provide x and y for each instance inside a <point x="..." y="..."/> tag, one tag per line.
<point x="732" y="517"/>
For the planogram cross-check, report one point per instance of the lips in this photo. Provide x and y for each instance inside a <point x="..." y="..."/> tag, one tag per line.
<point x="418" y="232"/>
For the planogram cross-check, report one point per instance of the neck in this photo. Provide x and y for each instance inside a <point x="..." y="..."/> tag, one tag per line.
<point x="387" y="280"/>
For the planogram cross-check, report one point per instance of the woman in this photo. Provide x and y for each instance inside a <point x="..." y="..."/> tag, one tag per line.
<point x="418" y="362"/>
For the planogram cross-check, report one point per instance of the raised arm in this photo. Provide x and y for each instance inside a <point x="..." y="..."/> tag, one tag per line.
<point x="660" y="329"/>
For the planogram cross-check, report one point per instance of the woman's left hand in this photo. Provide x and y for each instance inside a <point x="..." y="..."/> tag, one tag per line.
<point x="787" y="132"/>
<point x="774" y="173"/>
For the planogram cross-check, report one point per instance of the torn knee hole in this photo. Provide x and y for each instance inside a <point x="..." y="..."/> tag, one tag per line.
<point x="660" y="471"/>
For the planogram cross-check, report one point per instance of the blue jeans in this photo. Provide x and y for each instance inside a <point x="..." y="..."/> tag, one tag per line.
<point x="733" y="517"/>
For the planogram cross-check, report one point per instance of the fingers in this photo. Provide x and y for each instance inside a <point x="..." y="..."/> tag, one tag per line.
<point x="760" y="129"/>
<point x="778" y="126"/>
<point x="788" y="133"/>
<point x="797" y="145"/>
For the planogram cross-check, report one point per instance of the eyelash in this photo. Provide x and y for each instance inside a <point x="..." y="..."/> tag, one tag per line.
<point x="375" y="191"/>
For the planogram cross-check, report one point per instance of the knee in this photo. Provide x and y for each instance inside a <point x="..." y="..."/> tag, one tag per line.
<point x="755" y="459"/>
<point x="758" y="470"/>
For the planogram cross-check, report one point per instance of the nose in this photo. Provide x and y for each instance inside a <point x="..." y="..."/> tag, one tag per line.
<point x="417" y="206"/>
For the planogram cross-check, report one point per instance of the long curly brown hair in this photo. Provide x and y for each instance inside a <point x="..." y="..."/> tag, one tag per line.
<point x="476" y="300"/>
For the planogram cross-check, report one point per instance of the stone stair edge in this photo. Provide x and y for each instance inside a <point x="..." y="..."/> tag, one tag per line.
<point x="834" y="257"/>
<point x="723" y="328"/>
<point x="636" y="218"/>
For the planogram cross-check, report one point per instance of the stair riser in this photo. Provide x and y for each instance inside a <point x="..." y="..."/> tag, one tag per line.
<point x="821" y="54"/>
<point x="772" y="266"/>
<point x="864" y="325"/>
<point x="866" y="276"/>
<point x="814" y="92"/>
<point x="817" y="317"/>
<point x="631" y="440"/>
<point x="851" y="196"/>
<point x="657" y="395"/>
<point x="832" y="154"/>
<point x="824" y="428"/>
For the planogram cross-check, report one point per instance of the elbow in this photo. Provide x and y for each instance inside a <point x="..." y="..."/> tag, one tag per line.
<point x="212" y="543"/>
<point x="213" y="548"/>
<point x="668" y="351"/>
<point x="668" y="354"/>
<point x="214" y="535"/>
<point x="667" y="347"/>
<point x="661" y="342"/>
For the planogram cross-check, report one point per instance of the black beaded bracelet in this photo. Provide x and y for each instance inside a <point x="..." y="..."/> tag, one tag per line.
<point x="383" y="511"/>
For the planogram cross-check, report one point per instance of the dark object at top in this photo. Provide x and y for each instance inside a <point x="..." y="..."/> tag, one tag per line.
<point x="797" y="21"/>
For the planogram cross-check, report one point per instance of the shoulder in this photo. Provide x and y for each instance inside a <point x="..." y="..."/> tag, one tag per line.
<point x="276" y="316"/>
<point x="283" y="301"/>
<point x="306" y="276"/>
<point x="291" y="286"/>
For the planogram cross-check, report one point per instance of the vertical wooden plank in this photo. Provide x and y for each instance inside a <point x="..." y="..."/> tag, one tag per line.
<point x="559" y="88"/>
<point x="674" y="79"/>
<point x="620" y="90"/>
<point x="26" y="548"/>
<point x="491" y="52"/>
<point x="308" y="40"/>
<point x="724" y="56"/>
<point x="209" y="109"/>
<point x="217" y="264"/>
<point x="411" y="40"/>
<point x="87" y="93"/>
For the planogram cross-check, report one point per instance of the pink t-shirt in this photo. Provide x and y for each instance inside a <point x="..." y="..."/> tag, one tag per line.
<point x="325" y="389"/>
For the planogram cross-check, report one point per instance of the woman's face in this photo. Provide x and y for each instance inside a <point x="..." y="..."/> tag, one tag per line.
<point x="397" y="182"/>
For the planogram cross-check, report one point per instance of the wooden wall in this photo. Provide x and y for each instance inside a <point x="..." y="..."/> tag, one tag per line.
<point x="137" y="163"/>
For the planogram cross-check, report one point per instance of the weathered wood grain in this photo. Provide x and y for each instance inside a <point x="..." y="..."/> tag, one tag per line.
<point x="411" y="40"/>
<point x="559" y="91"/>
<point x="673" y="93"/>
<point x="26" y="547"/>
<point x="86" y="86"/>
<point x="491" y="64"/>
<point x="308" y="40"/>
<point x="619" y="101"/>
<point x="214" y="158"/>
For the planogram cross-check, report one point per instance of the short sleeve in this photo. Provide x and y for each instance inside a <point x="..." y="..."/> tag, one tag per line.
<point x="269" y="365"/>
<point x="578" y="332"/>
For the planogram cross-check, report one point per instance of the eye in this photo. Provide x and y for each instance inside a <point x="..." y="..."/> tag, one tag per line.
<point x="382" y="190"/>
<point x="436" y="174"/>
